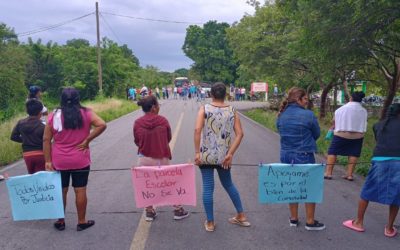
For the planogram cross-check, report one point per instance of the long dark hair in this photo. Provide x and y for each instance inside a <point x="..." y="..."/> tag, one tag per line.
<point x="392" y="113"/>
<point x="71" y="108"/>
<point x="294" y="94"/>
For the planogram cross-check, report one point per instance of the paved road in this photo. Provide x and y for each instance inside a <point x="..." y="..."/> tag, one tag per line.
<point x="119" y="223"/>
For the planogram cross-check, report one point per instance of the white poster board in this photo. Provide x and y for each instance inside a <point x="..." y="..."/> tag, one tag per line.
<point x="260" y="87"/>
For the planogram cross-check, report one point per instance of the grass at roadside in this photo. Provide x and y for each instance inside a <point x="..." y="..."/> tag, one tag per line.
<point x="268" y="119"/>
<point x="108" y="109"/>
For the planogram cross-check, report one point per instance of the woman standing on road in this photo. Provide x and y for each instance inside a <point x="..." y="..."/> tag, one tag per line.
<point x="350" y="125"/>
<point x="152" y="135"/>
<point x="383" y="181"/>
<point x="69" y="128"/>
<point x="299" y="130"/>
<point x="217" y="121"/>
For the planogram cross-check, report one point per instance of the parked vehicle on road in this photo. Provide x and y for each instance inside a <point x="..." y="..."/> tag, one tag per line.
<point x="181" y="81"/>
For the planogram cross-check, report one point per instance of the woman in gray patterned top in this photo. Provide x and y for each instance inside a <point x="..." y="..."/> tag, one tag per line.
<point x="216" y="121"/>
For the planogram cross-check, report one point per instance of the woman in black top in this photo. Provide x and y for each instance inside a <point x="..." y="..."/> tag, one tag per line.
<point x="383" y="181"/>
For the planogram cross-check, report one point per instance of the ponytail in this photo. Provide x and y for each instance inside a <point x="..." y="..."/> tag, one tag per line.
<point x="71" y="108"/>
<point x="294" y="94"/>
<point x="283" y="106"/>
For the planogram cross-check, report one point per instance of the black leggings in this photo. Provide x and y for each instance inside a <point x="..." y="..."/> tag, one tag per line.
<point x="79" y="177"/>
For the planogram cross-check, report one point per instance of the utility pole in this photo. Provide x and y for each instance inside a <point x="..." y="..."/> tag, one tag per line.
<point x="99" y="51"/>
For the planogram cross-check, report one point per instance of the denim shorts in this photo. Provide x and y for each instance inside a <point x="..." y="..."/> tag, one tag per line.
<point x="297" y="157"/>
<point x="382" y="184"/>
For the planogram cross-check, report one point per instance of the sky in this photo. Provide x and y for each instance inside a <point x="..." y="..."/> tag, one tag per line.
<point x="155" y="43"/>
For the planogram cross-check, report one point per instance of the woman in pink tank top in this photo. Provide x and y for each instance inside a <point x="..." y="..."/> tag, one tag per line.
<point x="66" y="149"/>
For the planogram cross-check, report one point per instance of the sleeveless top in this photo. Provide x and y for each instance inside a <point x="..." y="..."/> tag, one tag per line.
<point x="217" y="133"/>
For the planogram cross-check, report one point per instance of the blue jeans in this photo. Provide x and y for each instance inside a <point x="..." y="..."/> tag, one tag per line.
<point x="208" y="190"/>
<point x="297" y="157"/>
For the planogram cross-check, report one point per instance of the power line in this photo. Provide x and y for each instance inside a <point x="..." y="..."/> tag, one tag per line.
<point x="38" y="30"/>
<point x="151" y="19"/>
<point x="109" y="27"/>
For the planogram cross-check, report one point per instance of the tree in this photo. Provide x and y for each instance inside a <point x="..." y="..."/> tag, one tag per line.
<point x="128" y="53"/>
<point x="377" y="33"/>
<point x="119" y="68"/>
<point x="260" y="45"/>
<point x="7" y="35"/>
<point x="208" y="48"/>
<point x="44" y="67"/>
<point x="182" y="72"/>
<point x="353" y="33"/>
<point x="78" y="43"/>
<point x="12" y="73"/>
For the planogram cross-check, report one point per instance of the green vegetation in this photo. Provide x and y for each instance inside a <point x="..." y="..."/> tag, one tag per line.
<point x="52" y="67"/>
<point x="110" y="109"/>
<point x="208" y="48"/>
<point x="268" y="119"/>
<point x="319" y="45"/>
<point x="106" y="108"/>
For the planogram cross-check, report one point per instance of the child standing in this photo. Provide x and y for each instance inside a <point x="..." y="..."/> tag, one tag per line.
<point x="29" y="132"/>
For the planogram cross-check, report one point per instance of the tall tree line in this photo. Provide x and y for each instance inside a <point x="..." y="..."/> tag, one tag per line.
<point x="52" y="67"/>
<point x="318" y="45"/>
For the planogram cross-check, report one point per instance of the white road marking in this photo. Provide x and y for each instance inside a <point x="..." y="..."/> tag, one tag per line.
<point x="143" y="229"/>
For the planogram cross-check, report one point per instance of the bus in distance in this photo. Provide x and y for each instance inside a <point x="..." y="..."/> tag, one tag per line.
<point x="180" y="81"/>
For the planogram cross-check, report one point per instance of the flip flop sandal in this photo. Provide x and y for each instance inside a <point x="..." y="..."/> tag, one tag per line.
<point x="209" y="228"/>
<point x="59" y="225"/>
<point x="349" y="224"/>
<point x="348" y="178"/>
<point x="328" y="177"/>
<point x="234" y="220"/>
<point x="83" y="226"/>
<point x="392" y="234"/>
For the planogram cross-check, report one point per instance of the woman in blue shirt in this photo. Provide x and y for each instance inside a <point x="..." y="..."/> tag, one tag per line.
<point x="299" y="130"/>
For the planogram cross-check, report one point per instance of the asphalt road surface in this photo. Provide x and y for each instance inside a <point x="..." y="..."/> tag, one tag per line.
<point x="119" y="224"/>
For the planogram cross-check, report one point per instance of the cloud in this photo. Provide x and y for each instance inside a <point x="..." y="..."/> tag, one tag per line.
<point x="154" y="43"/>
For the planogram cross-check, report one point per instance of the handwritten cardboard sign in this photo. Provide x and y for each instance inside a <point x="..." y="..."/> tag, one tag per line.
<point x="37" y="196"/>
<point x="259" y="87"/>
<point x="164" y="185"/>
<point x="286" y="183"/>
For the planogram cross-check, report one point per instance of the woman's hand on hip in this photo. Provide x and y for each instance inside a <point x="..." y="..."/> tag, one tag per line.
<point x="84" y="145"/>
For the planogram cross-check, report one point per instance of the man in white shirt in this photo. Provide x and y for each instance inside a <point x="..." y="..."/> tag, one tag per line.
<point x="144" y="91"/>
<point x="242" y="93"/>
<point x="350" y="127"/>
<point x="175" y="92"/>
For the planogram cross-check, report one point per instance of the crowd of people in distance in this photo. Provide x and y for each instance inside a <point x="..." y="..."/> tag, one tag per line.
<point x="62" y="142"/>
<point x="184" y="92"/>
<point x="237" y="93"/>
